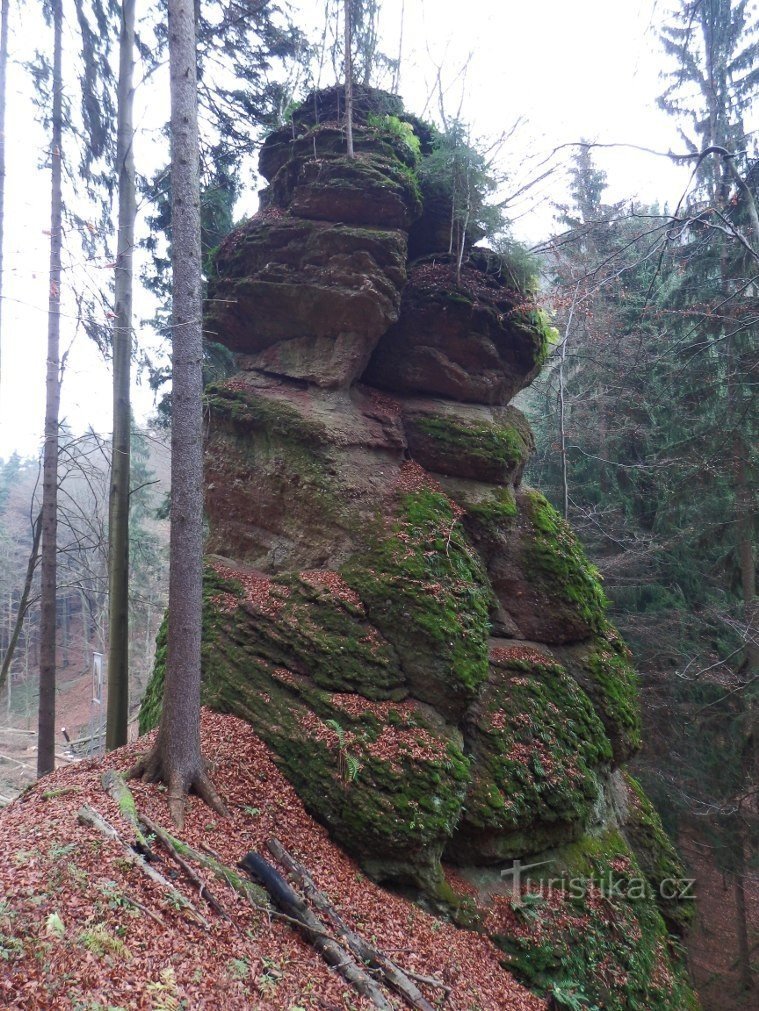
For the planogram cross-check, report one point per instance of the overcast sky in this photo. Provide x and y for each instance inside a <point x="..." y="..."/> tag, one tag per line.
<point x="590" y="69"/>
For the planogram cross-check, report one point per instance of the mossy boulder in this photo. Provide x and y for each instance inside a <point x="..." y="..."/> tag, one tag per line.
<point x="538" y="569"/>
<point x="305" y="299"/>
<point x="297" y="144"/>
<point x="387" y="778"/>
<point x="476" y="339"/>
<point x="327" y="105"/>
<point x="451" y="440"/>
<point x="585" y="928"/>
<point x="603" y="668"/>
<point x="538" y="752"/>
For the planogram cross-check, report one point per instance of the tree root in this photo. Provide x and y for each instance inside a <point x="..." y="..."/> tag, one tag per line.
<point x="155" y="768"/>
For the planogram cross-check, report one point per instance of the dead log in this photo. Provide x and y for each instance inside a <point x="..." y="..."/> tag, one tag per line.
<point x="89" y="816"/>
<point x="172" y="849"/>
<point x="114" y="785"/>
<point x="394" y="976"/>
<point x="289" y="902"/>
<point x="254" y="895"/>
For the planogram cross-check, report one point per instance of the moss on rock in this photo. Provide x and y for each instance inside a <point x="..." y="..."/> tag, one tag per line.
<point x="248" y="411"/>
<point x="492" y="513"/>
<point x="588" y="931"/>
<point x="367" y="190"/>
<point x="537" y="747"/>
<point x="426" y="590"/>
<point x="386" y="778"/>
<point x="658" y="859"/>
<point x="604" y="670"/>
<point x="484" y="451"/>
<point x="557" y="559"/>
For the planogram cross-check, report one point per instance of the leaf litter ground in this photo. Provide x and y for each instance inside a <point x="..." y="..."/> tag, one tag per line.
<point x="76" y="930"/>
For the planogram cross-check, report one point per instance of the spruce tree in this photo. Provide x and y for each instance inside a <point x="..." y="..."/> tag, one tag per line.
<point x="176" y="758"/>
<point x="118" y="560"/>
<point x="49" y="522"/>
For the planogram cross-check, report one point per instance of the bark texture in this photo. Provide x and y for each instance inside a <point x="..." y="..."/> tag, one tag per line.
<point x="3" y="66"/>
<point x="175" y="758"/>
<point x="46" y="722"/>
<point x="118" y="560"/>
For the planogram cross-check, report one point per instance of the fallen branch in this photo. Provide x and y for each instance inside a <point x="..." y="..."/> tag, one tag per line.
<point x="144" y="909"/>
<point x="433" y="981"/>
<point x="395" y="977"/>
<point x="171" y="847"/>
<point x="89" y="816"/>
<point x="114" y="785"/>
<point x="289" y="902"/>
<point x="254" y="895"/>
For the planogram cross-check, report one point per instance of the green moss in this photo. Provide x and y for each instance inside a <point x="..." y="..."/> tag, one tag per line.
<point x="538" y="744"/>
<point x="492" y="512"/>
<point x="590" y="928"/>
<point x="426" y="589"/>
<point x="658" y="858"/>
<point x="535" y="323"/>
<point x="399" y="807"/>
<point x="252" y="412"/>
<point x="504" y="445"/>
<point x="152" y="701"/>
<point x="409" y="778"/>
<point x="613" y="686"/>
<point x="558" y="560"/>
<point x="329" y="637"/>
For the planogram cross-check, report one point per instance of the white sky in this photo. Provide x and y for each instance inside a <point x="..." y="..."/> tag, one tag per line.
<point x="589" y="69"/>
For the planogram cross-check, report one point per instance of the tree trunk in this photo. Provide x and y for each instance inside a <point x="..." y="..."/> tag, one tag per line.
<point x="563" y="407"/>
<point x="23" y="604"/>
<point x="3" y="67"/>
<point x="118" y="520"/>
<point x="46" y="718"/>
<point x="741" y="925"/>
<point x="176" y="757"/>
<point x="349" y="78"/>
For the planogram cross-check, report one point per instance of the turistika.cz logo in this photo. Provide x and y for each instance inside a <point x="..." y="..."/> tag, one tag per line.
<point x="610" y="885"/>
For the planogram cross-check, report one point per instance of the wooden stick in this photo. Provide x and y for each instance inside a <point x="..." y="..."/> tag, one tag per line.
<point x="362" y="949"/>
<point x="89" y="816"/>
<point x="114" y="785"/>
<point x="144" y="909"/>
<point x="288" y="900"/>
<point x="429" y="981"/>
<point x="170" y="845"/>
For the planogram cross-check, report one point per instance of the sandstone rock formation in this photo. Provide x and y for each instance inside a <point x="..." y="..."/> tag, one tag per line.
<point x="416" y="635"/>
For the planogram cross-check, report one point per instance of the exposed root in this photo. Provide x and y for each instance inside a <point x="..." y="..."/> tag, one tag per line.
<point x="154" y="768"/>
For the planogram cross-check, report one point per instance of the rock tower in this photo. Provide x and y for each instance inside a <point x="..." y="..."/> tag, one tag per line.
<point x="416" y="635"/>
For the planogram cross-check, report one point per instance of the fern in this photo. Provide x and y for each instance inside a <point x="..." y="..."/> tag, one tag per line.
<point x="166" y="992"/>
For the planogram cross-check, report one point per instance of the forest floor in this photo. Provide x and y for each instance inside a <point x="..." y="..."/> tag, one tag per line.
<point x="75" y="710"/>
<point x="713" y="941"/>
<point x="81" y="928"/>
